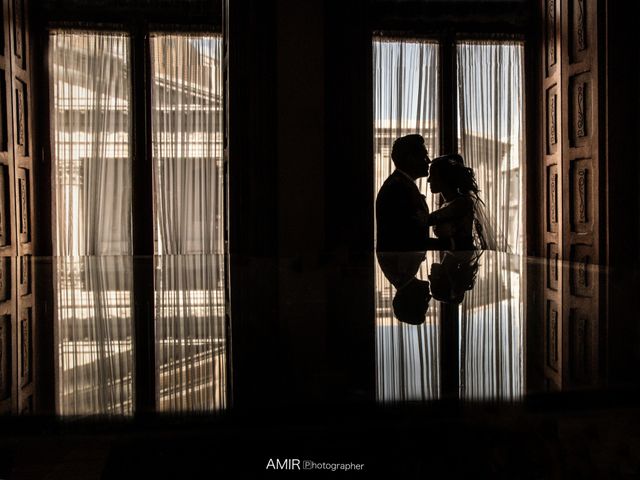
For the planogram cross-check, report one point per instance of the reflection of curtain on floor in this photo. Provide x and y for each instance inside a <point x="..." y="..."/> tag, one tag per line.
<point x="405" y="86"/>
<point x="188" y="179"/>
<point x="94" y="332"/>
<point x="492" y="331"/>
<point x="407" y="356"/>
<point x="190" y="336"/>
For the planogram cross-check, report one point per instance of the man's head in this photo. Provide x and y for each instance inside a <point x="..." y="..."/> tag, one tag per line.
<point x="410" y="155"/>
<point x="411" y="302"/>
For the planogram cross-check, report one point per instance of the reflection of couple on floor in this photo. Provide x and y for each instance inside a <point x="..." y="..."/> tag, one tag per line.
<point x="448" y="280"/>
<point x="402" y="214"/>
<point x="403" y="221"/>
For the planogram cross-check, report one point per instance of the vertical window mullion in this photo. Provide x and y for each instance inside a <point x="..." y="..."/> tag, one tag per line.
<point x="449" y="315"/>
<point x="448" y="95"/>
<point x="142" y="223"/>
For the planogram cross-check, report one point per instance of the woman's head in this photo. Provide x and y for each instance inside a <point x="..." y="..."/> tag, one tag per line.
<point x="448" y="173"/>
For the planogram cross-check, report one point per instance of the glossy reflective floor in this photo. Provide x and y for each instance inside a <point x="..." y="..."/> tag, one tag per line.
<point x="318" y="357"/>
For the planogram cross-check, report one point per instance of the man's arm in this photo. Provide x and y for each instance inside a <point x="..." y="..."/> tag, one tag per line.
<point x="439" y="243"/>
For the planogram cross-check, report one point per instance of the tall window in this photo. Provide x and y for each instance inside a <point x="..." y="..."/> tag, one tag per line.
<point x="187" y="155"/>
<point x="489" y="130"/>
<point x="92" y="193"/>
<point x="91" y="89"/>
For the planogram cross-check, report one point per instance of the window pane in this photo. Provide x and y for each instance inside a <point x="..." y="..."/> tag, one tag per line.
<point x="91" y="154"/>
<point x="405" y="100"/>
<point x="189" y="228"/>
<point x="187" y="144"/>
<point x="490" y="133"/>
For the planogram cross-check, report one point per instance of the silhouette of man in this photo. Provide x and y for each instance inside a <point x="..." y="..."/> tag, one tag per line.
<point x="401" y="210"/>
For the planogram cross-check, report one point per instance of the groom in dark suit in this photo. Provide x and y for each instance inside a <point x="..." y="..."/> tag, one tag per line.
<point x="401" y="210"/>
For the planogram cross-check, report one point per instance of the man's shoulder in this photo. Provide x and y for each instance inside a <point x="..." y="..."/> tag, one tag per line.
<point x="395" y="181"/>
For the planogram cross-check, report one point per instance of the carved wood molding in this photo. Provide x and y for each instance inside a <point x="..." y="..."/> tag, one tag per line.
<point x="5" y="357"/>
<point x="552" y="342"/>
<point x="26" y="347"/>
<point x="551" y="33"/>
<point x="24" y="204"/>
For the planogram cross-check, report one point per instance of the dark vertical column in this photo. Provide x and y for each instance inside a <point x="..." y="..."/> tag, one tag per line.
<point x="533" y="175"/>
<point x="43" y="210"/>
<point x="252" y="166"/>
<point x="448" y="95"/>
<point x="300" y="111"/>
<point x="142" y="200"/>
<point x="621" y="78"/>
<point x="349" y="171"/>
<point x="349" y="196"/>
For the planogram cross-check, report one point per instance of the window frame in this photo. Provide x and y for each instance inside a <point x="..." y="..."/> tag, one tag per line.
<point x="139" y="32"/>
<point x="447" y="38"/>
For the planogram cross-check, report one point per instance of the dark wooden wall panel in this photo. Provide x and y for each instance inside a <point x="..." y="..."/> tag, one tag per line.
<point x="571" y="167"/>
<point x="581" y="172"/>
<point x="17" y="318"/>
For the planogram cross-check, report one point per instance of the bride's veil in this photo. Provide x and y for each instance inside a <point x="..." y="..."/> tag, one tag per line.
<point x="486" y="236"/>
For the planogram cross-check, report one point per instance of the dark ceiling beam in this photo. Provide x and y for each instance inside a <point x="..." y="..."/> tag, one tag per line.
<point x="424" y="18"/>
<point x="165" y="15"/>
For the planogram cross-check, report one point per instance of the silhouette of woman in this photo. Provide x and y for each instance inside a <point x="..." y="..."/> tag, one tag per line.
<point x="461" y="218"/>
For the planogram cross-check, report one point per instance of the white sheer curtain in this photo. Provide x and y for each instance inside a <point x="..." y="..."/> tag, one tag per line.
<point x="189" y="214"/>
<point x="91" y="152"/>
<point x="90" y="94"/>
<point x="405" y="100"/>
<point x="491" y="128"/>
<point x="407" y="356"/>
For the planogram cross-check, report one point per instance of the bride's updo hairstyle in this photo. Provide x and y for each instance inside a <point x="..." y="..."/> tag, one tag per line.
<point x="452" y="169"/>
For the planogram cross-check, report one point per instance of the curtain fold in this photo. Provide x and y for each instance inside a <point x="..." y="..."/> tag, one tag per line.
<point x="189" y="218"/>
<point x="91" y="172"/>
